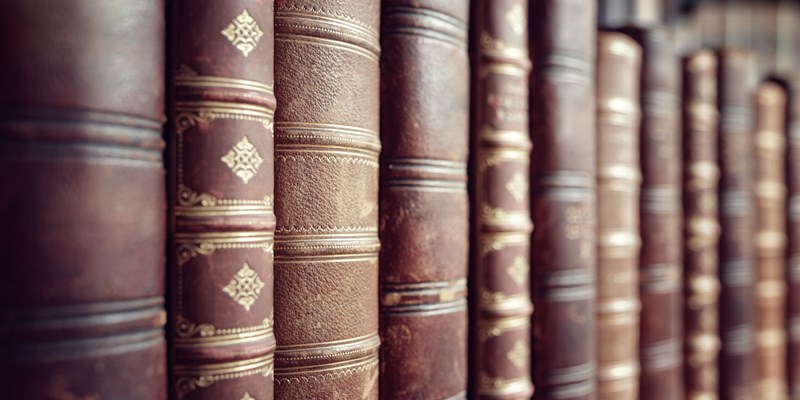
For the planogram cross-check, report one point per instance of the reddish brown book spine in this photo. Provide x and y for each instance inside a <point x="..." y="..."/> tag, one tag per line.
<point x="424" y="203"/>
<point x="660" y="261"/>
<point x="222" y="220"/>
<point x="326" y="199"/>
<point x="82" y="205"/>
<point x="737" y="360"/>
<point x="618" y="177"/>
<point x="501" y="201"/>
<point x="770" y="189"/>
<point x="700" y="226"/>
<point x="792" y="134"/>
<point x="563" y="174"/>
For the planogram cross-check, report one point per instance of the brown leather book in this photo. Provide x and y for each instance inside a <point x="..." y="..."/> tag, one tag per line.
<point x="660" y="261"/>
<point x="326" y="199"/>
<point x="83" y="202"/>
<point x="792" y="132"/>
<point x="563" y="200"/>
<point x="424" y="203"/>
<point x="221" y="199"/>
<point x="500" y="249"/>
<point x="770" y="189"/>
<point x="618" y="177"/>
<point x="700" y="226"/>
<point x="736" y="217"/>
<point x="621" y="13"/>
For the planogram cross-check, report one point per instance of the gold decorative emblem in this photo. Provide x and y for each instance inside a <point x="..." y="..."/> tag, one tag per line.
<point x="517" y="186"/>
<point x="243" y="159"/>
<point x="247" y="396"/>
<point x="518" y="269"/>
<point x="518" y="354"/>
<point x="243" y="32"/>
<point x="516" y="18"/>
<point x="245" y="287"/>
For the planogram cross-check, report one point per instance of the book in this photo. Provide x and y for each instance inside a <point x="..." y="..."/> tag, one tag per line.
<point x="619" y="176"/>
<point x="660" y="260"/>
<point x="736" y="217"/>
<point x="83" y="204"/>
<point x="563" y="174"/>
<point x="791" y="85"/>
<point x="500" y="248"/>
<point x="424" y="202"/>
<point x="326" y="199"/>
<point x="770" y="190"/>
<point x="700" y="225"/>
<point x="221" y="122"/>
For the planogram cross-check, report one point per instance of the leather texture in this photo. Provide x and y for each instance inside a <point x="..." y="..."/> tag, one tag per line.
<point x="660" y="261"/>
<point x="83" y="204"/>
<point x="500" y="249"/>
<point x="221" y="199"/>
<point x="326" y="199"/>
<point x="562" y="36"/>
<point x="792" y="133"/>
<point x="424" y="203"/>
<point x="737" y="359"/>
<point x="700" y="225"/>
<point x="619" y="176"/>
<point x="770" y="189"/>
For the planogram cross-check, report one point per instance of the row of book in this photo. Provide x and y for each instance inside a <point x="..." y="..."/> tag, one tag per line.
<point x="399" y="199"/>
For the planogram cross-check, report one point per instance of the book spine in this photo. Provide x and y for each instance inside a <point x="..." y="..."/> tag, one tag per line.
<point x="700" y="225"/>
<point x="221" y="114"/>
<point x="424" y="202"/>
<point x="792" y="86"/>
<point x="660" y="261"/>
<point x="736" y="217"/>
<point x="618" y="178"/>
<point x="770" y="189"/>
<point x="563" y="175"/>
<point x="326" y="199"/>
<point x="83" y="204"/>
<point x="501" y="201"/>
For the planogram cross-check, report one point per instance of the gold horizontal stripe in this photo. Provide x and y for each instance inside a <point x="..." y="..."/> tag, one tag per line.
<point x="224" y="237"/>
<point x="223" y="340"/>
<point x="203" y="81"/>
<point x="224" y="368"/>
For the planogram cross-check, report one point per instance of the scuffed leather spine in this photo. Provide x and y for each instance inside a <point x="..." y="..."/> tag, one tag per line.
<point x="83" y="204"/>
<point x="424" y="204"/>
<point x="326" y="199"/>
<point x="792" y="132"/>
<point x="737" y="361"/>
<point x="563" y="174"/>
<point x="618" y="178"/>
<point x="660" y="260"/>
<point x="770" y="189"/>
<point x="221" y="199"/>
<point x="501" y="201"/>
<point x="700" y="226"/>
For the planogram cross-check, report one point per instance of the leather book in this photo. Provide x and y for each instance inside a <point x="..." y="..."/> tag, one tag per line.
<point x="621" y="13"/>
<point x="424" y="208"/>
<point x="618" y="178"/>
<point x="770" y="190"/>
<point x="563" y="174"/>
<point x="700" y="226"/>
<point x="500" y="248"/>
<point x="736" y="217"/>
<point x="221" y="116"/>
<point x="660" y="260"/>
<point x="326" y="199"/>
<point x="792" y="134"/>
<point x="83" y="204"/>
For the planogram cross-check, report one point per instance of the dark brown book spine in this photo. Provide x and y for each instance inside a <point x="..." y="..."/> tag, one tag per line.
<point x="700" y="226"/>
<point x="326" y="199"/>
<point x="618" y="177"/>
<point x="736" y="217"/>
<point x="424" y="203"/>
<point x="501" y="201"/>
<point x="770" y="189"/>
<point x="792" y="85"/>
<point x="563" y="174"/>
<point x="83" y="204"/>
<point x="660" y="261"/>
<point x="222" y="221"/>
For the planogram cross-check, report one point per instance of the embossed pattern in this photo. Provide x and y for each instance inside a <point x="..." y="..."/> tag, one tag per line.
<point x="243" y="32"/>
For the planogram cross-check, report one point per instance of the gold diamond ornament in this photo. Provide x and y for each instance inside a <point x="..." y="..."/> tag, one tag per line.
<point x="517" y="186"/>
<point x="518" y="354"/>
<point x="518" y="269"/>
<point x="243" y="32"/>
<point x="245" y="287"/>
<point x="243" y="159"/>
